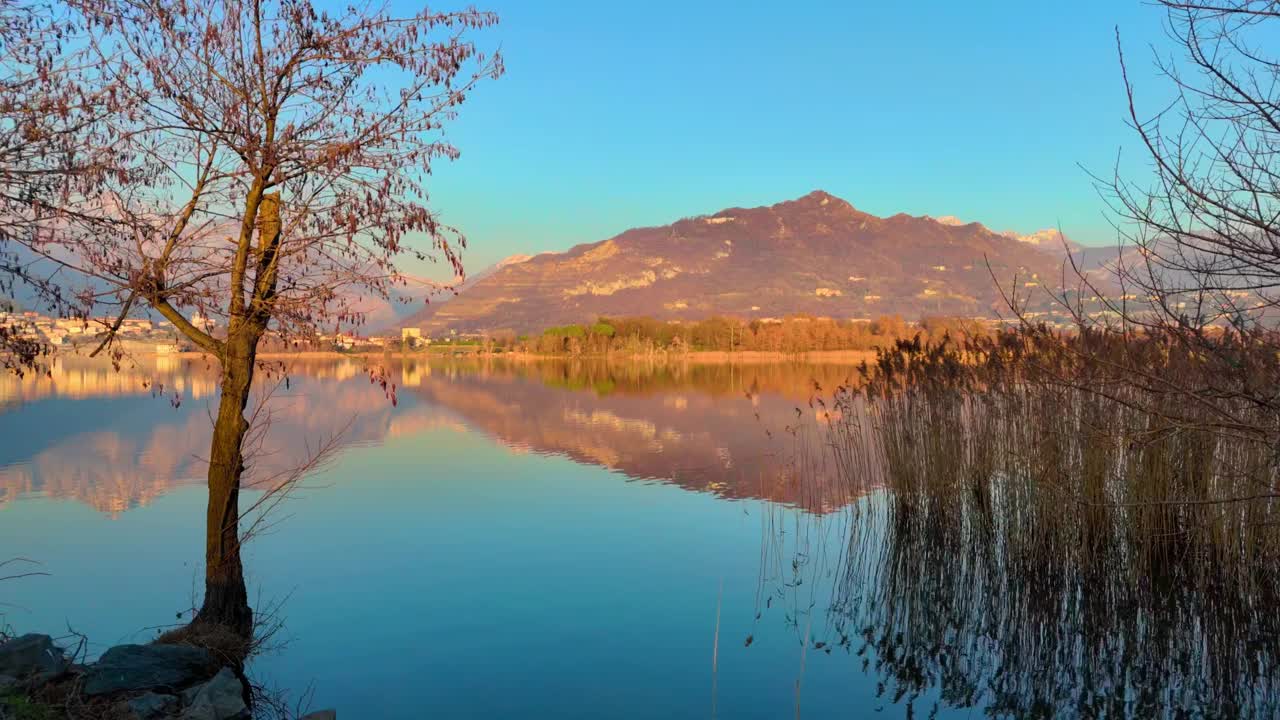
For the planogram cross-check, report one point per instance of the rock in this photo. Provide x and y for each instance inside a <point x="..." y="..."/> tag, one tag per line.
<point x="153" y="705"/>
<point x="222" y="698"/>
<point x="31" y="655"/>
<point x="7" y="683"/>
<point x="147" y="667"/>
<point x="321" y="715"/>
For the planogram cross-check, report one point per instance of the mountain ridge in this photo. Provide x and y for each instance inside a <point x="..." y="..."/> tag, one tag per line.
<point x="816" y="254"/>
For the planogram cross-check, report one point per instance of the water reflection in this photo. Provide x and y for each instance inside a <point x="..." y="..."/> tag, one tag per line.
<point x="964" y="609"/>
<point x="729" y="430"/>
<point x="947" y="606"/>
<point x="136" y="434"/>
<point x="80" y="378"/>
<point x="139" y="431"/>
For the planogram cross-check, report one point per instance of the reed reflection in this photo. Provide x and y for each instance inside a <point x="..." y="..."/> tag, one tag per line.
<point x="959" y="615"/>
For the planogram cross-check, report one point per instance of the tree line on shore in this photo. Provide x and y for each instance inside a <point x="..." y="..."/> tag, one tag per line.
<point x="794" y="334"/>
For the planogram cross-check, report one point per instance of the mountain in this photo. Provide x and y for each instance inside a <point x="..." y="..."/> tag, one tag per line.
<point x="404" y="303"/>
<point x="817" y="254"/>
<point x="1046" y="239"/>
<point x="504" y="262"/>
<point x="1050" y="240"/>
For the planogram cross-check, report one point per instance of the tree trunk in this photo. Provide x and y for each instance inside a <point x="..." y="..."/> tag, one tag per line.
<point x="226" y="600"/>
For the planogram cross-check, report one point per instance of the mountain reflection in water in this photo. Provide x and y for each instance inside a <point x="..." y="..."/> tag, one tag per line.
<point x="725" y="429"/>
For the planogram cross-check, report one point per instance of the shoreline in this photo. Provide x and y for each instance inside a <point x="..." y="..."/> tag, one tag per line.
<point x="697" y="356"/>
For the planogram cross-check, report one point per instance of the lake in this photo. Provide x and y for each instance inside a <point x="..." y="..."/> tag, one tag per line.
<point x="574" y="539"/>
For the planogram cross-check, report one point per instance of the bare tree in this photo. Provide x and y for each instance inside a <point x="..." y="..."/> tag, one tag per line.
<point x="268" y="168"/>
<point x="1199" y="265"/>
<point x="50" y="148"/>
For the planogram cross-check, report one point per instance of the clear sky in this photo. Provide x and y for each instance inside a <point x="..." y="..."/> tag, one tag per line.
<point x="614" y="115"/>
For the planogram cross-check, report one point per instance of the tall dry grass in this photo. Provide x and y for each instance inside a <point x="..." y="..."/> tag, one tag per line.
<point x="1051" y="440"/>
<point x="1041" y="533"/>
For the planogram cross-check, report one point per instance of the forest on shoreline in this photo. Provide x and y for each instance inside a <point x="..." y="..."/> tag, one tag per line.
<point x="787" y="336"/>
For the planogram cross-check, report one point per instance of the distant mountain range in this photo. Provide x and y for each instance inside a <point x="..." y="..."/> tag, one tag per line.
<point x="817" y="254"/>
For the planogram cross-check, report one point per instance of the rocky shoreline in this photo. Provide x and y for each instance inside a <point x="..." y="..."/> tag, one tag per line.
<point x="128" y="682"/>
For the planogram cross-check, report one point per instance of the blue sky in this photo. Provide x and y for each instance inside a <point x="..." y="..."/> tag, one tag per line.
<point x="615" y="115"/>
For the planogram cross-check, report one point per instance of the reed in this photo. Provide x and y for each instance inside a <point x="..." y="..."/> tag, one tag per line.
<point x="1049" y="440"/>
<point x="1037" y="531"/>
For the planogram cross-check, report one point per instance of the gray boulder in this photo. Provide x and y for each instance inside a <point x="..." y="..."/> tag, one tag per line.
<point x="31" y="655"/>
<point x="148" y="667"/>
<point x="222" y="698"/>
<point x="321" y="715"/>
<point x="153" y="705"/>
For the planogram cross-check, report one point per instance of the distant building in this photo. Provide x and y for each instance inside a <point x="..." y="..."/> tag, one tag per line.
<point x="70" y="326"/>
<point x="411" y="337"/>
<point x="135" y="326"/>
<point x="338" y="341"/>
<point x="203" y="322"/>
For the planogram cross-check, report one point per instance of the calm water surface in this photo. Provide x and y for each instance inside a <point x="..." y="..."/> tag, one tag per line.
<point x="539" y="540"/>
